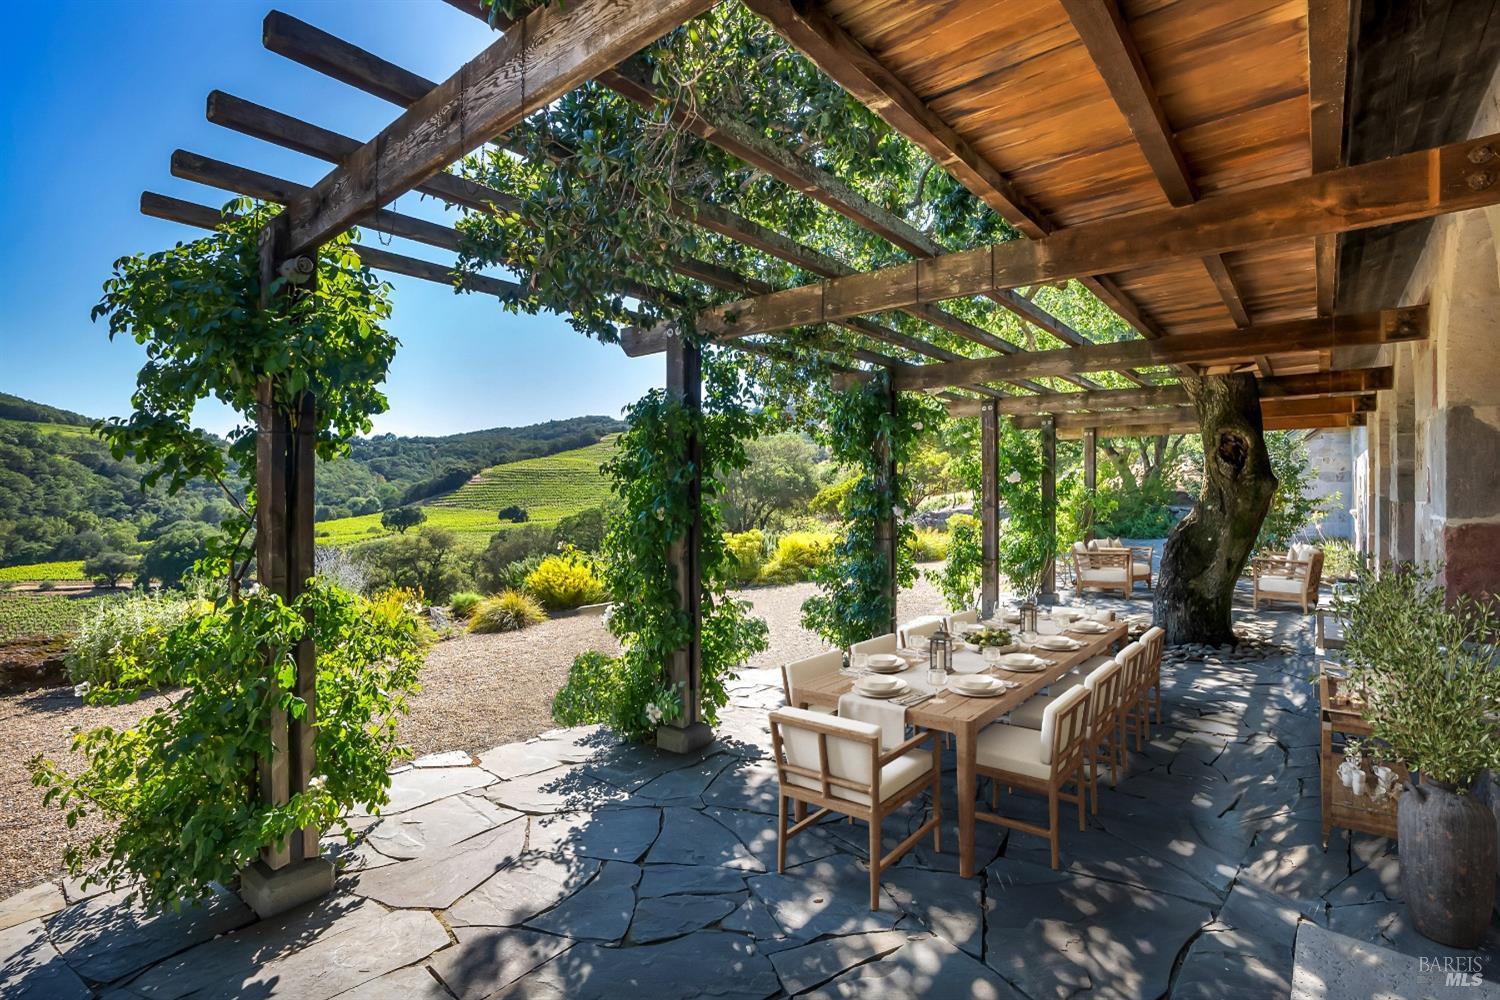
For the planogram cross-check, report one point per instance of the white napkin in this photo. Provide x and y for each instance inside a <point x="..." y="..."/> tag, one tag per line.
<point x="882" y="712"/>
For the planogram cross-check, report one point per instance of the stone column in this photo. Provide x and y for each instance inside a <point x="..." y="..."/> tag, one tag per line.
<point x="1403" y="459"/>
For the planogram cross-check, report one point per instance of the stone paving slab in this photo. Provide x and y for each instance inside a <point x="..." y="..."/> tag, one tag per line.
<point x="690" y="838"/>
<point x="662" y="917"/>
<point x="439" y="879"/>
<point x="923" y="967"/>
<point x="1331" y="966"/>
<point x="617" y="834"/>
<point x="598" y="911"/>
<point x="705" y="964"/>
<point x="532" y="885"/>
<point x="32" y="969"/>
<point x="413" y="983"/>
<point x="418" y="786"/>
<point x="417" y="832"/>
<point x="41" y="900"/>
<point x="487" y="959"/>
<point x="566" y="788"/>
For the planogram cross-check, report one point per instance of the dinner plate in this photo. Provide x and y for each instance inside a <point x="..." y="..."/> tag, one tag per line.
<point x="897" y="687"/>
<point x="977" y="686"/>
<point x="1088" y="628"/>
<point x="885" y="663"/>
<point x="1058" y="642"/>
<point x="1022" y="662"/>
<point x="1064" y="614"/>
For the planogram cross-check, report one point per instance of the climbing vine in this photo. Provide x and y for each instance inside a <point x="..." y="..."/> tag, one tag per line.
<point x="865" y="432"/>
<point x="1026" y="544"/>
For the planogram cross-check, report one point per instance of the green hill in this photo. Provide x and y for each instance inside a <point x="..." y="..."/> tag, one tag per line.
<point x="549" y="488"/>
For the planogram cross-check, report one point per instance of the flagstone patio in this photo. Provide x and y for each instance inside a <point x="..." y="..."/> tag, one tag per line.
<point x="572" y="866"/>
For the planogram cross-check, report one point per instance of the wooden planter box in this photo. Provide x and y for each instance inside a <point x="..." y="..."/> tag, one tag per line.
<point x="1340" y="806"/>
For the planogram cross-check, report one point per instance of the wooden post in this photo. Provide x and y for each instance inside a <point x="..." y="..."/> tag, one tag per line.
<point x="688" y="732"/>
<point x="1049" y="505"/>
<point x="294" y="871"/>
<point x="888" y="534"/>
<point x="989" y="508"/>
<point x="1090" y="478"/>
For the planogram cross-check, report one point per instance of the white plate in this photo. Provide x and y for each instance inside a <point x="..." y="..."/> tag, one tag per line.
<point x="1058" y="642"/>
<point x="1023" y="662"/>
<point x="1064" y="614"/>
<point x="1088" y="628"/>
<point x="977" y="686"/>
<point x="885" y="663"/>
<point x="897" y="687"/>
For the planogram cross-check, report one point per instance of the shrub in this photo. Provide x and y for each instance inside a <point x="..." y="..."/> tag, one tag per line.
<point x="106" y="568"/>
<point x="798" y="554"/>
<point x="928" y="545"/>
<point x="585" y="529"/>
<point x="960" y="578"/>
<point x="493" y="567"/>
<point x="431" y="561"/>
<point x="1340" y="561"/>
<point x="747" y="554"/>
<point x="119" y="636"/>
<point x="510" y="611"/>
<point x="566" y="580"/>
<point x="515" y="513"/>
<point x="462" y="604"/>
<point x="400" y="518"/>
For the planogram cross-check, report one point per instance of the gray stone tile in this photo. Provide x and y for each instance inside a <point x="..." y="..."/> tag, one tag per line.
<point x="487" y="959"/>
<point x="562" y="789"/>
<point x="753" y="918"/>
<point x="448" y="758"/>
<point x="683" y="786"/>
<point x="831" y="896"/>
<point x="746" y="785"/>
<point x="1288" y="859"/>
<point x="439" y="879"/>
<point x="104" y="939"/>
<point x="614" y="834"/>
<point x="1330" y="965"/>
<point x="600" y="910"/>
<point x="811" y="965"/>
<point x="1100" y="855"/>
<point x="1389" y="924"/>
<point x="517" y="760"/>
<point x="534" y="884"/>
<point x="32" y="969"/>
<point x="946" y="904"/>
<point x="417" y="832"/>
<point x="690" y="838"/>
<point x="691" y="880"/>
<point x="40" y="900"/>
<point x="415" y="786"/>
<point x="757" y="831"/>
<point x="923" y="967"/>
<point x="705" y="964"/>
<point x="414" y="983"/>
<point x="630" y="766"/>
<point x="662" y="917"/>
<point x="311" y="953"/>
<point x="1211" y="974"/>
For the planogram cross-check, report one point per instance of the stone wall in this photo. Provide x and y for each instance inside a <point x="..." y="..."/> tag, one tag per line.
<point x="1331" y="455"/>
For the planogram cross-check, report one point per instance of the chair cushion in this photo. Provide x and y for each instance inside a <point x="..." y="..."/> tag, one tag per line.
<point x="848" y="754"/>
<point x="1114" y="543"/>
<point x="1011" y="748"/>
<point x="1109" y="575"/>
<point x="809" y="669"/>
<point x="893" y="777"/>
<point x="1287" y="585"/>
<point x="1302" y="552"/>
<point x="1080" y="547"/>
<point x="920" y="627"/>
<point x="963" y="618"/>
<point x="880" y="644"/>
<point x="1140" y="568"/>
<point x="1094" y="545"/>
<point x="1059" y="705"/>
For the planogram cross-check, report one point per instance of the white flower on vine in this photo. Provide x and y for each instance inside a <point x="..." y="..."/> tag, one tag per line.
<point x="661" y="515"/>
<point x="317" y="783"/>
<point x="916" y="425"/>
<point x="1013" y="478"/>
<point x="653" y="713"/>
<point x="898" y="510"/>
<point x="82" y="690"/>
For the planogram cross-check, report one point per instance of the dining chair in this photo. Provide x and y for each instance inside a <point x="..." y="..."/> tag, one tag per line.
<point x="918" y="628"/>
<point x="880" y="644"/>
<point x="1137" y="723"/>
<point x="1045" y="762"/>
<point x="837" y="765"/>
<point x="957" y="618"/>
<point x="801" y="672"/>
<point x="1106" y="684"/>
<point x="1155" y="641"/>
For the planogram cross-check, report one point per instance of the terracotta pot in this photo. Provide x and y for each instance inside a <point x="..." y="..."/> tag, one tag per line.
<point x="1447" y="844"/>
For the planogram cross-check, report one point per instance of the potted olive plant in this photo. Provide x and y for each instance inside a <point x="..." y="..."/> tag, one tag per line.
<point x="1428" y="668"/>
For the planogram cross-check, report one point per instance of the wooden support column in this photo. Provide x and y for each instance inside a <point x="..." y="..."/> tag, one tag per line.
<point x="1049" y="505"/>
<point x="1090" y="478"/>
<point x="888" y="534"/>
<point x="688" y="732"/>
<point x="294" y="871"/>
<point x="989" y="508"/>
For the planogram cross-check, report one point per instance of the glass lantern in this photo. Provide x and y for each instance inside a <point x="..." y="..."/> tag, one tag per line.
<point x="939" y="654"/>
<point x="1029" y="624"/>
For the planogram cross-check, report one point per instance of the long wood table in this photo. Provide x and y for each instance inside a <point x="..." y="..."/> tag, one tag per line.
<point x="964" y="717"/>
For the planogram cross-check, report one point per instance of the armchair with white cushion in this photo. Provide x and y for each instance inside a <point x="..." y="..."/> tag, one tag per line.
<point x="1293" y="577"/>
<point x="799" y="673"/>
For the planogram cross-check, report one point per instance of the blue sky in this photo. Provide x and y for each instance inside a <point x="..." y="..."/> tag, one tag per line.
<point x="98" y="95"/>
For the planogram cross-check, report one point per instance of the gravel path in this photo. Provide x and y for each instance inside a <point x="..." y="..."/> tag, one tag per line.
<point x="478" y="691"/>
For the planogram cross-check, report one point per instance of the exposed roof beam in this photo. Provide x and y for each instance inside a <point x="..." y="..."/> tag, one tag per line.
<point x="1277" y="410"/>
<point x="1190" y="426"/>
<point x="552" y="50"/>
<point x="1106" y="36"/>
<point x="1318" y="384"/>
<point x="1415" y="185"/>
<point x="1327" y="80"/>
<point x="1325" y="332"/>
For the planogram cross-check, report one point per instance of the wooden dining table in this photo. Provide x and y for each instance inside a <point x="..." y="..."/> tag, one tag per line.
<point x="965" y="716"/>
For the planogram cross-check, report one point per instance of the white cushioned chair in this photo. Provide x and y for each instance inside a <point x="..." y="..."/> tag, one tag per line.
<point x="1155" y="641"/>
<point x="919" y="629"/>
<point x="837" y="765"/>
<point x="880" y="644"/>
<point x="1106" y="684"/>
<point x="970" y="617"/>
<point x="806" y="670"/>
<point x="1135" y="659"/>
<point x="1293" y="577"/>
<point x="1045" y="762"/>
<point x="1101" y="569"/>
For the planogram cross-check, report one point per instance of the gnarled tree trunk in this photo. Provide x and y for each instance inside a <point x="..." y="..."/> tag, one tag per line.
<point x="1206" y="552"/>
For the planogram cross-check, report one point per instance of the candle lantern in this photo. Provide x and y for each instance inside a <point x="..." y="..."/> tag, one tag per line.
<point x="940" y="652"/>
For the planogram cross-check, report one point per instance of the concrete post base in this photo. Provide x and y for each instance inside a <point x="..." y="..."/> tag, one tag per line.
<point x="688" y="739"/>
<point x="269" y="892"/>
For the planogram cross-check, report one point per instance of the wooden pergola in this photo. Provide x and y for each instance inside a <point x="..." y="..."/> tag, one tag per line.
<point x="1208" y="169"/>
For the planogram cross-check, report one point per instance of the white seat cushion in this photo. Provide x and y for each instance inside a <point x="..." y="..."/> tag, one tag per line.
<point x="920" y="628"/>
<point x="1141" y="569"/>
<point x="880" y="644"/>
<point x="1080" y="547"/>
<point x="1028" y="714"/>
<point x="1302" y="552"/>
<point x="893" y="777"/>
<point x="963" y="618"/>
<point x="1011" y="748"/>
<point x="1111" y="575"/>
<point x="809" y="669"/>
<point x="1289" y="586"/>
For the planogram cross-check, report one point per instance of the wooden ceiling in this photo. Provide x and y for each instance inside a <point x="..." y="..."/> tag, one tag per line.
<point x="1067" y="120"/>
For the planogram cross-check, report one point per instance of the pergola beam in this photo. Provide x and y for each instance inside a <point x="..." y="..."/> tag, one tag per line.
<point x="550" y="52"/>
<point x="1327" y="81"/>
<point x="1191" y="426"/>
<point x="1321" y="333"/>
<point x="1416" y="185"/>
<point x="1271" y="409"/>
<point x="1316" y="384"/>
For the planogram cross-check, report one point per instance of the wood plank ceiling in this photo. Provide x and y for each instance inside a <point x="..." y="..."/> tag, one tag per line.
<point x="1017" y="80"/>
